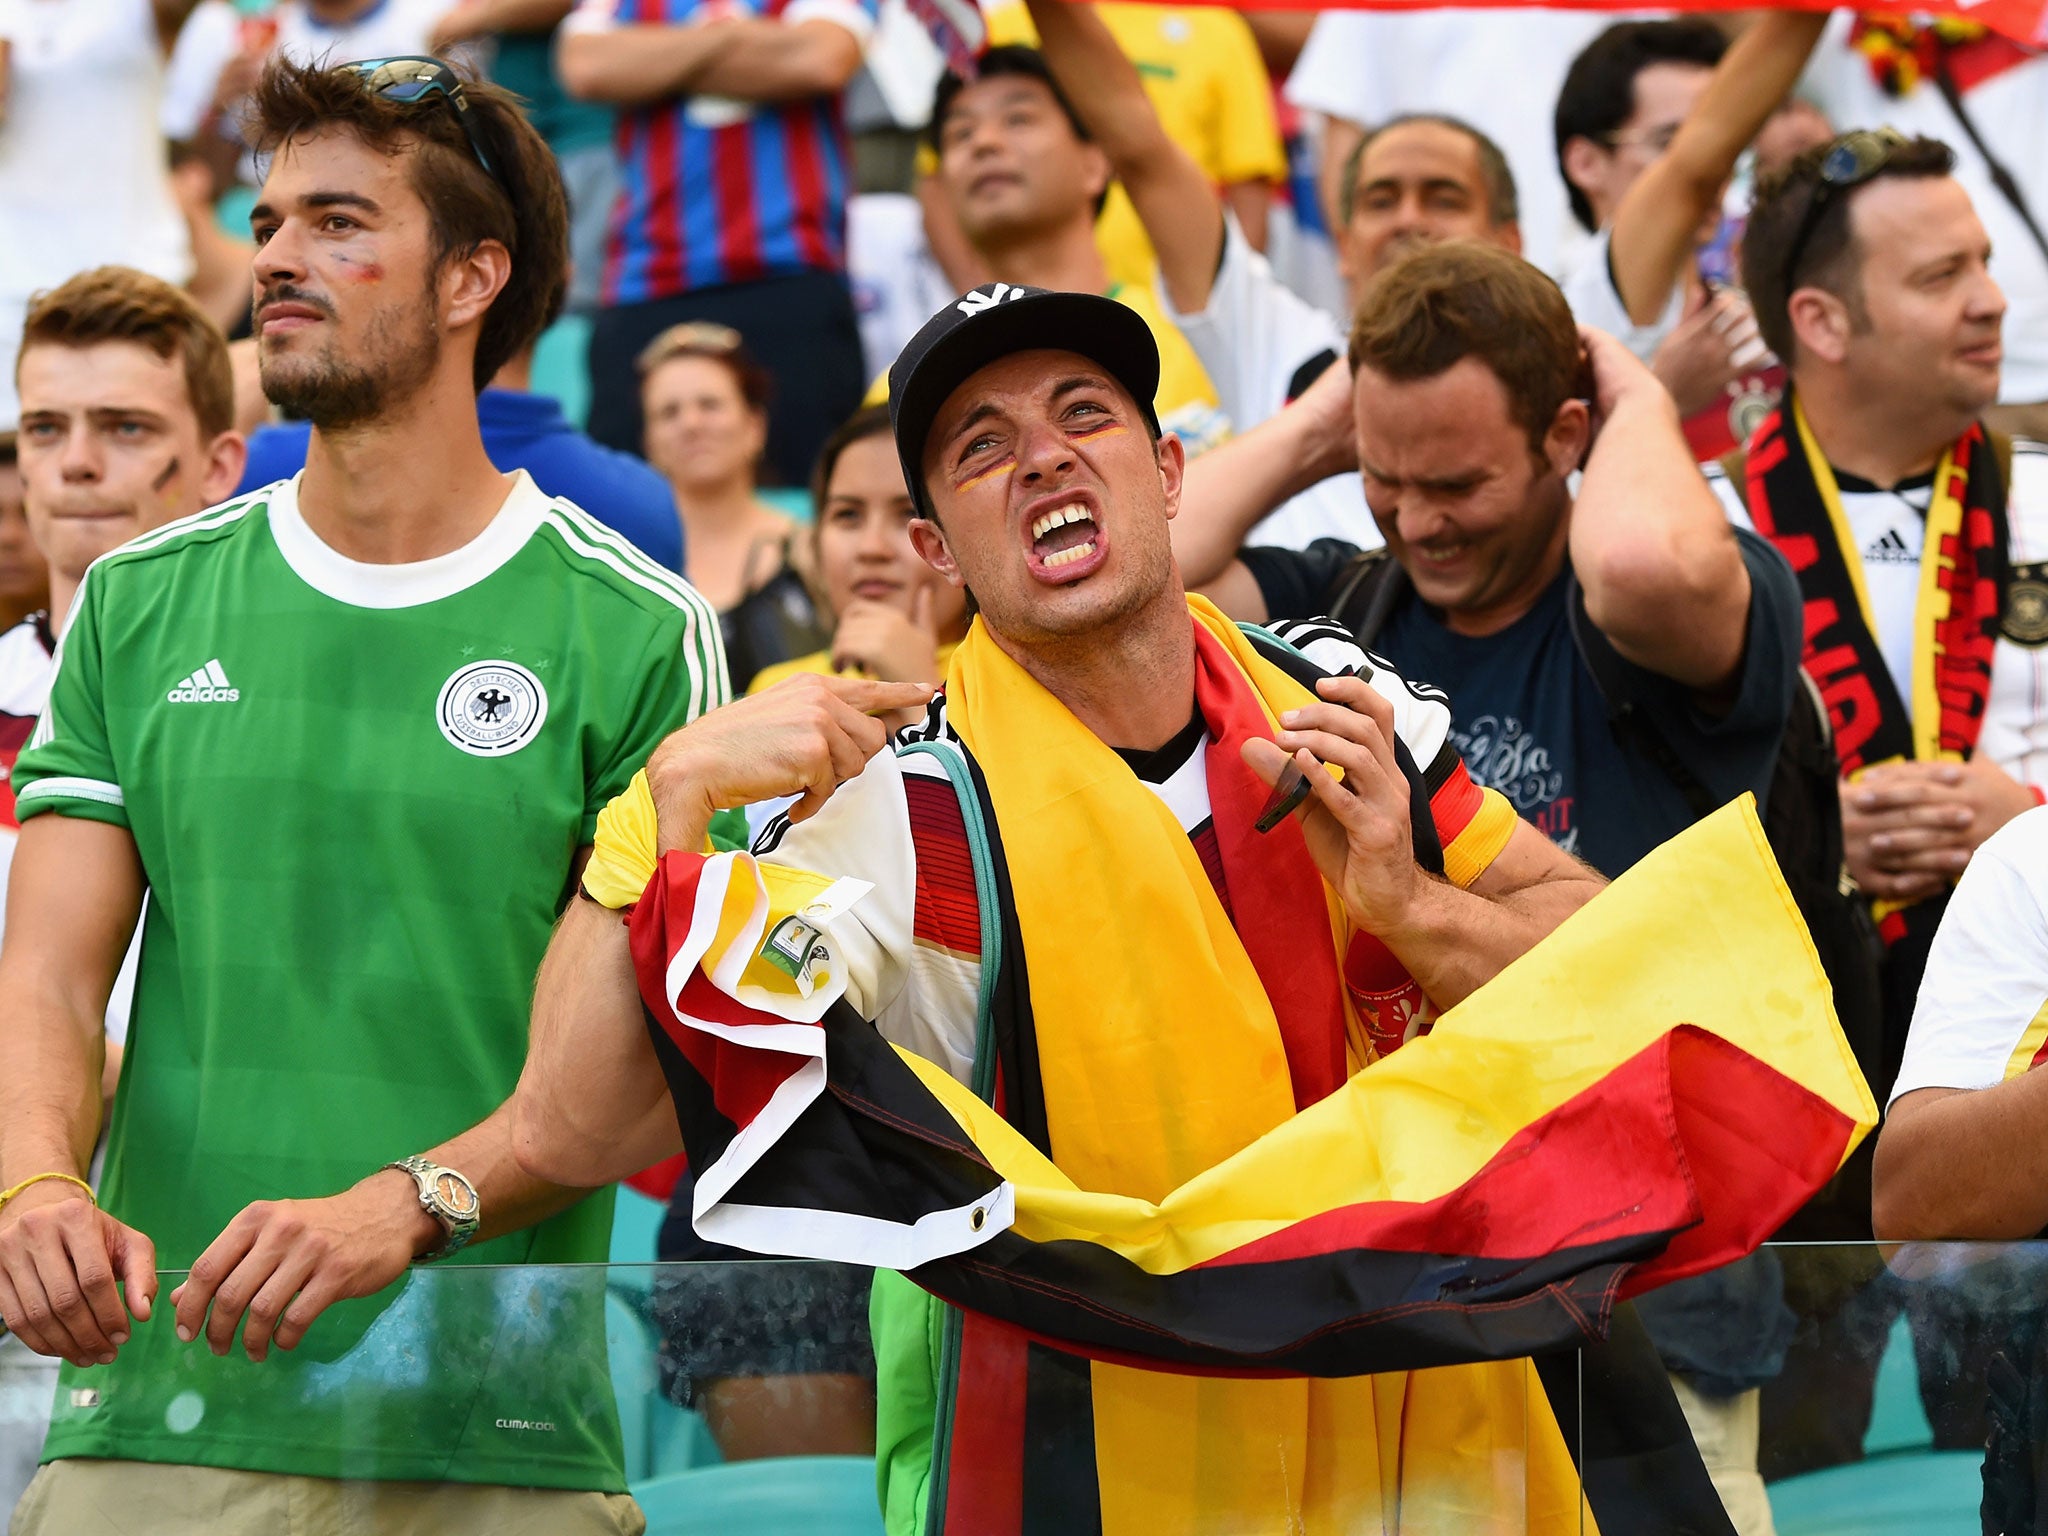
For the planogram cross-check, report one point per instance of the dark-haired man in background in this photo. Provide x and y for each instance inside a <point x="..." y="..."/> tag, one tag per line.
<point x="350" y="733"/>
<point x="1412" y="181"/>
<point x="1546" y="617"/>
<point x="1649" y="125"/>
<point x="1024" y="181"/>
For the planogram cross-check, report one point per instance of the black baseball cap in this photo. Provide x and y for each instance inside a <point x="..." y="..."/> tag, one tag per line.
<point x="993" y="321"/>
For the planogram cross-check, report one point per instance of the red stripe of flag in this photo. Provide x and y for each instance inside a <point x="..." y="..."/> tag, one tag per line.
<point x="1456" y="801"/>
<point x="1691" y="1132"/>
<point x="985" y="1482"/>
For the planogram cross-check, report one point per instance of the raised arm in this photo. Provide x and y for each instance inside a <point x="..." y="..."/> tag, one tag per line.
<point x="1662" y="574"/>
<point x="73" y="897"/>
<point x="592" y="1105"/>
<point x="1181" y="211"/>
<point x="1655" y="224"/>
<point x="745" y="57"/>
<point x="1964" y="1151"/>
<point x="1231" y="487"/>
<point x="470" y="19"/>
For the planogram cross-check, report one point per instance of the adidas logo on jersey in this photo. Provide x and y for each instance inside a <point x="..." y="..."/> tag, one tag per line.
<point x="1890" y="550"/>
<point x="209" y="685"/>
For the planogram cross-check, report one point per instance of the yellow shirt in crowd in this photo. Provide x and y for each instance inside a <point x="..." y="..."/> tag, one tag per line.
<point x="1202" y="69"/>
<point x="1186" y="403"/>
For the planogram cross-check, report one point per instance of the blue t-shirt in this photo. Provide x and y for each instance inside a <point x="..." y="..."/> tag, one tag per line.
<point x="1530" y="720"/>
<point x="527" y="432"/>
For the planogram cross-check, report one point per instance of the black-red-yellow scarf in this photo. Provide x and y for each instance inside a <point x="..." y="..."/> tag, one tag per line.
<point x="1795" y="503"/>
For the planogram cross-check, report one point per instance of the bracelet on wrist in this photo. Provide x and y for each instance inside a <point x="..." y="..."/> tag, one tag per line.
<point x="38" y="1178"/>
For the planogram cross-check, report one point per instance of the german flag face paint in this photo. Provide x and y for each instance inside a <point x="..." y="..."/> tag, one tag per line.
<point x="1000" y="470"/>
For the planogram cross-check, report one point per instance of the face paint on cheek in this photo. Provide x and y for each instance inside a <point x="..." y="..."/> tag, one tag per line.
<point x="356" y="269"/>
<point x="170" y="473"/>
<point x="1008" y="466"/>
<point x="1107" y="429"/>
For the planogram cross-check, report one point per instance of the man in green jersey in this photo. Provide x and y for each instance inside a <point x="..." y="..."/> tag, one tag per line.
<point x="351" y="733"/>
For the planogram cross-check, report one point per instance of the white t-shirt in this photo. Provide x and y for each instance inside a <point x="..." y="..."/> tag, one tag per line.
<point x="2011" y="112"/>
<point x="207" y="43"/>
<point x="1589" y="289"/>
<point x="1499" y="70"/>
<point x="897" y="286"/>
<point x="1258" y="341"/>
<point x="1982" y="1015"/>
<point x="1890" y="530"/>
<point x="388" y="30"/>
<point x="83" y="180"/>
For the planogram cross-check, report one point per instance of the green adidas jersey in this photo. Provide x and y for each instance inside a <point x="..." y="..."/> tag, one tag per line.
<point x="357" y="792"/>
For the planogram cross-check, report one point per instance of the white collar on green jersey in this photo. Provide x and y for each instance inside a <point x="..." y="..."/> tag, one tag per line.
<point x="403" y="586"/>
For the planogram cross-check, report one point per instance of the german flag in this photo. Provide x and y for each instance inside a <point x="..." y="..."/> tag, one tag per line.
<point x="1646" y="1095"/>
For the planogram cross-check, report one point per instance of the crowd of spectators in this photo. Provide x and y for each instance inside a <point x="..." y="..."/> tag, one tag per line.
<point x="1668" y="394"/>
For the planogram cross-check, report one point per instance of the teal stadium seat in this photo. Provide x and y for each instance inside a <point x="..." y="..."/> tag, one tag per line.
<point x="561" y="366"/>
<point x="1903" y="1486"/>
<point x="778" y="1496"/>
<point x="631" y="1345"/>
<point x="1902" y="1493"/>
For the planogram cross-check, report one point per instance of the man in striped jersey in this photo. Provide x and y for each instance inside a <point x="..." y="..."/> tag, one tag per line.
<point x="351" y="735"/>
<point x="734" y="172"/>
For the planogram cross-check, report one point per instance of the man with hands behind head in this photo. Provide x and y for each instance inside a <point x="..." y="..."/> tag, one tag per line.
<point x="350" y="733"/>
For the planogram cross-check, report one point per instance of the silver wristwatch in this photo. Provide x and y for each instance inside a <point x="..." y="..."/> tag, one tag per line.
<point x="449" y="1198"/>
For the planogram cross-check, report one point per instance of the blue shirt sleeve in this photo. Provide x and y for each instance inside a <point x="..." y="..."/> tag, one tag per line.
<point x="1734" y="749"/>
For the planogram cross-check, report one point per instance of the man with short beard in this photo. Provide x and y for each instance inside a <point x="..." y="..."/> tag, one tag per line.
<point x="1919" y="538"/>
<point x="350" y="733"/>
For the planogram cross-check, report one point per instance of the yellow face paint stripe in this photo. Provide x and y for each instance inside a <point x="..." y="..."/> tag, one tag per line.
<point x="1004" y="468"/>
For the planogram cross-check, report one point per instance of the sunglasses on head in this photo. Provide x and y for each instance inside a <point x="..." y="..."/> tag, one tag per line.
<point x="1850" y="161"/>
<point x="412" y="79"/>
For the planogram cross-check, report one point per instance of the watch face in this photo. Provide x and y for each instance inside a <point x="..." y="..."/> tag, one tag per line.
<point x="453" y="1193"/>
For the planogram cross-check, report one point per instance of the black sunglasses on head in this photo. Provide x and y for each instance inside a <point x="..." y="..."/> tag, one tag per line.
<point x="412" y="79"/>
<point x="1850" y="161"/>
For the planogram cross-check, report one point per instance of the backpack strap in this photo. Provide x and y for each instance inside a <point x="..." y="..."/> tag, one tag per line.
<point x="1366" y="598"/>
<point x="1623" y="717"/>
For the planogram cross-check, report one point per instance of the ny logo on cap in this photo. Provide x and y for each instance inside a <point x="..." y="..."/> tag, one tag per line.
<point x="977" y="301"/>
